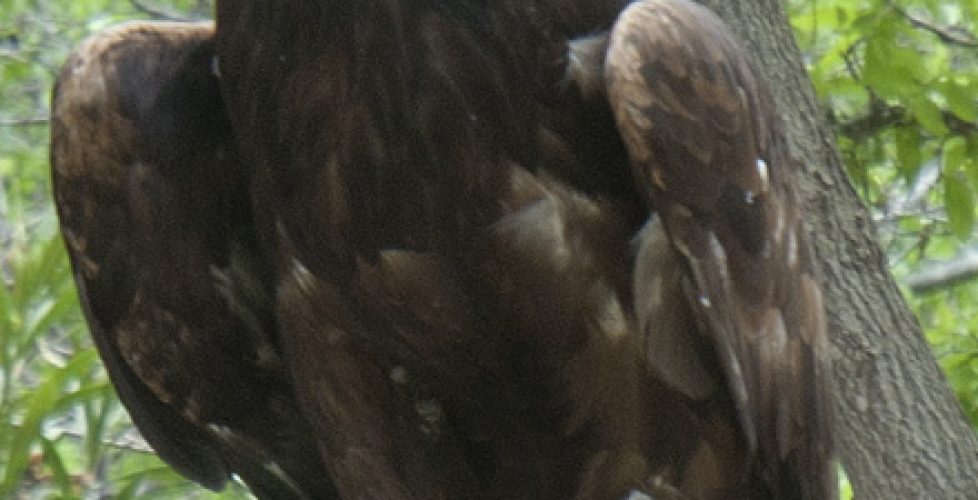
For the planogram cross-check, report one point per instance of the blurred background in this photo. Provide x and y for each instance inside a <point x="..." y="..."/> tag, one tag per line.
<point x="898" y="80"/>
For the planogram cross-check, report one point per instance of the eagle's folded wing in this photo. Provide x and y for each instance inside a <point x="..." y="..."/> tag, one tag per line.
<point x="155" y="212"/>
<point x="708" y="148"/>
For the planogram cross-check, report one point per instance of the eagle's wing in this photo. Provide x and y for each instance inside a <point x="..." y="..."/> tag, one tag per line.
<point x="707" y="146"/>
<point x="155" y="211"/>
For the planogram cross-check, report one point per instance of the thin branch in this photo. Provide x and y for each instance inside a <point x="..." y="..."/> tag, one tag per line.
<point x="941" y="275"/>
<point x="957" y="125"/>
<point x="24" y="122"/>
<point x="128" y="441"/>
<point x="882" y="115"/>
<point x="154" y="12"/>
<point x="879" y="116"/>
<point x="15" y="57"/>
<point x="952" y="35"/>
<point x="914" y="200"/>
<point x="123" y="443"/>
<point x="849" y="57"/>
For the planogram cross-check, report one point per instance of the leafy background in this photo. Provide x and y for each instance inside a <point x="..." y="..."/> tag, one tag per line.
<point x="898" y="80"/>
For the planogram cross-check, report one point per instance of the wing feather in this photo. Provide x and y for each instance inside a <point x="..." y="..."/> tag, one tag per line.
<point x="155" y="211"/>
<point x="706" y="144"/>
<point x="94" y="139"/>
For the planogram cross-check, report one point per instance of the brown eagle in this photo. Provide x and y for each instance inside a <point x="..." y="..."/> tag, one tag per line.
<point x="406" y="249"/>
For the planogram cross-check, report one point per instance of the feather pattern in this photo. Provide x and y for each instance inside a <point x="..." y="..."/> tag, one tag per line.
<point x="153" y="204"/>
<point x="538" y="249"/>
<point x="704" y="137"/>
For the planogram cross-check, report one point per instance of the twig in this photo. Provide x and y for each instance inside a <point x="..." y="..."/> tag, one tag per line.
<point x="939" y="275"/>
<point x="950" y="35"/>
<point x="882" y="115"/>
<point x="128" y="441"/>
<point x="24" y="122"/>
<point x="154" y="12"/>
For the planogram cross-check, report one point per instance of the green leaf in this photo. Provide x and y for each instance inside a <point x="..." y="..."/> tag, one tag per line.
<point x="960" y="204"/>
<point x="971" y="159"/>
<point x="954" y="155"/>
<point x="909" y="154"/>
<point x="880" y="72"/>
<point x="98" y="410"/>
<point x="928" y="115"/>
<point x="841" y="16"/>
<point x="892" y="70"/>
<point x="52" y="458"/>
<point x="961" y="100"/>
<point x="38" y="405"/>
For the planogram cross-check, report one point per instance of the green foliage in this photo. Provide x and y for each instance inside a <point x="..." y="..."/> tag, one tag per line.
<point x="899" y="80"/>
<point x="954" y="340"/>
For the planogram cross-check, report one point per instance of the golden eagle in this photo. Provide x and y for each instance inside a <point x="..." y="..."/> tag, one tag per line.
<point x="404" y="249"/>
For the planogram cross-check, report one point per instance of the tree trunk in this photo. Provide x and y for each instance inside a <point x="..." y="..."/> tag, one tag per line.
<point x="900" y="431"/>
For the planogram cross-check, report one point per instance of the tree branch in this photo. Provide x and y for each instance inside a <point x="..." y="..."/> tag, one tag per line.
<point x="154" y="12"/>
<point x="936" y="276"/>
<point x="24" y="122"/>
<point x="952" y="35"/>
<point x="879" y="116"/>
<point x="882" y="115"/>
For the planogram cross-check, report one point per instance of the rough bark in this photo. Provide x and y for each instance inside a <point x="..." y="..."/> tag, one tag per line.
<point x="900" y="431"/>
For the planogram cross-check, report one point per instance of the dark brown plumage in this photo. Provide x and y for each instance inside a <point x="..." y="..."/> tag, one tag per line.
<point x="154" y="208"/>
<point x="704" y="138"/>
<point x="395" y="250"/>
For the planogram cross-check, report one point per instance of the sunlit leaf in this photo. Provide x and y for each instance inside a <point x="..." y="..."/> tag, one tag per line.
<point x="962" y="100"/>
<point x="53" y="460"/>
<point x="955" y="154"/>
<point x="41" y="402"/>
<point x="960" y="204"/>
<point x="928" y="114"/>
<point x="909" y="153"/>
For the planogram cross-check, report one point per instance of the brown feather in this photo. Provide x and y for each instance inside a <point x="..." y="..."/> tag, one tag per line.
<point x="398" y="248"/>
<point x="704" y="137"/>
<point x="154" y="208"/>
